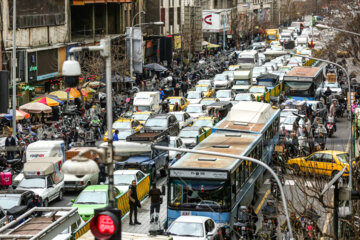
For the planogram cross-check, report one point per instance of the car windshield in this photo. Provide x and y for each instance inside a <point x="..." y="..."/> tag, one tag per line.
<point x="207" y="101"/>
<point x="223" y="94"/>
<point x="156" y="122"/>
<point x="242" y="82"/>
<point x="194" y="109"/>
<point x="343" y="157"/>
<point x="186" y="229"/>
<point x="123" y="134"/>
<point x="289" y="120"/>
<point x="220" y="78"/>
<point x="179" y="117"/>
<point x="331" y="85"/>
<point x="189" y="133"/>
<point x="286" y="113"/>
<point x="123" y="179"/>
<point x="243" y="97"/>
<point x="201" y="89"/>
<point x="172" y="101"/>
<point x="32" y="183"/>
<point x="257" y="90"/>
<point x="199" y="194"/>
<point x="92" y="197"/>
<point x="193" y="95"/>
<point x="119" y="125"/>
<point x="203" y="123"/>
<point x="141" y="117"/>
<point x="142" y="108"/>
<point x="7" y="202"/>
<point x="246" y="60"/>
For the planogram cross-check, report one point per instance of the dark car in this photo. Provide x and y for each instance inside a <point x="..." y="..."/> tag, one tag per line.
<point x="15" y="202"/>
<point x="162" y="122"/>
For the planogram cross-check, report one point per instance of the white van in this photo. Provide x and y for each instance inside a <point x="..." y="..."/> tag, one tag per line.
<point x="147" y="101"/>
<point x="43" y="176"/>
<point x="45" y="148"/>
<point x="242" y="81"/>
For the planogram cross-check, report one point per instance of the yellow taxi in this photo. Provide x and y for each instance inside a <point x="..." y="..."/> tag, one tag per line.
<point x="206" y="122"/>
<point x="124" y="124"/>
<point x="327" y="162"/>
<point x="206" y="90"/>
<point x="258" y="91"/>
<point x="141" y="116"/>
<point x="183" y="102"/>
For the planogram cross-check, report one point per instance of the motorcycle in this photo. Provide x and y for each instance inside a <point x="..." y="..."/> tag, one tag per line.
<point x="15" y="164"/>
<point x="330" y="126"/>
<point x="243" y="228"/>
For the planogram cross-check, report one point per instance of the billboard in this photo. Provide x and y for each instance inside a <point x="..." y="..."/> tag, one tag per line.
<point x="213" y="20"/>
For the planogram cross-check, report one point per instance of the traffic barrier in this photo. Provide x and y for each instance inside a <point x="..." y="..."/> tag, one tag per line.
<point x="81" y="230"/>
<point x="204" y="135"/>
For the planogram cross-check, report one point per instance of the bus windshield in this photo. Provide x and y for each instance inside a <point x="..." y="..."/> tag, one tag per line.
<point x="199" y="194"/>
<point x="301" y="89"/>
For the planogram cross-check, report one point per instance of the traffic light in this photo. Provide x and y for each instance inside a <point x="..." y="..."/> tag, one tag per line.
<point x="106" y="224"/>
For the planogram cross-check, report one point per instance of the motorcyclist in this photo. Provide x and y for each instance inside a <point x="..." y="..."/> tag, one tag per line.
<point x="327" y="92"/>
<point x="332" y="112"/>
<point x="95" y="120"/>
<point x="35" y="202"/>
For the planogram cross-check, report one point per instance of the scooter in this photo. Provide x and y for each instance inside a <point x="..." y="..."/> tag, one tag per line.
<point x="330" y="126"/>
<point x="243" y="227"/>
<point x="15" y="164"/>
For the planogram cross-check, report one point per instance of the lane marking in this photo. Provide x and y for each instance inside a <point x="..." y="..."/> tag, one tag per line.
<point x="262" y="201"/>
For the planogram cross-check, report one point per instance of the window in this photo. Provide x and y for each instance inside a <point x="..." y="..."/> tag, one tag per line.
<point x="179" y="15"/>
<point x="49" y="182"/>
<point x="139" y="176"/>
<point x="315" y="157"/>
<point x="327" y="158"/>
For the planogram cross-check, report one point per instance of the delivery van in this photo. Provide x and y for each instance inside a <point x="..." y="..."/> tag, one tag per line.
<point x="147" y="102"/>
<point x="45" y="148"/>
<point x="43" y="176"/>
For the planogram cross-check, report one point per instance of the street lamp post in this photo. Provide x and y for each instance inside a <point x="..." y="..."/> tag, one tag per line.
<point x="14" y="72"/>
<point x="243" y="158"/>
<point x="336" y="29"/>
<point x="350" y="112"/>
<point x="105" y="51"/>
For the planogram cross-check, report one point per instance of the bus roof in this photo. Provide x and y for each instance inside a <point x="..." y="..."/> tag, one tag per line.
<point x="248" y="116"/>
<point x="307" y="72"/>
<point x="231" y="143"/>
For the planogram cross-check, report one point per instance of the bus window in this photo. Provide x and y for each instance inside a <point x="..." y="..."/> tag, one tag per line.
<point x="237" y="177"/>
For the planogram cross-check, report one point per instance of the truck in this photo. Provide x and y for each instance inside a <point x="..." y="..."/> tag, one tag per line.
<point x="248" y="59"/>
<point x="242" y="81"/>
<point x="271" y="35"/>
<point x="44" y="177"/>
<point x="147" y="101"/>
<point x="44" y="148"/>
<point x="53" y="223"/>
<point x="136" y="153"/>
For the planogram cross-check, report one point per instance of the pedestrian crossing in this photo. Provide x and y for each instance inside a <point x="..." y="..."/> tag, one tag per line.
<point x="292" y="182"/>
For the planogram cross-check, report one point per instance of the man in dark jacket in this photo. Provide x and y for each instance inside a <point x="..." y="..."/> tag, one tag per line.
<point x="155" y="195"/>
<point x="10" y="144"/>
<point x="134" y="202"/>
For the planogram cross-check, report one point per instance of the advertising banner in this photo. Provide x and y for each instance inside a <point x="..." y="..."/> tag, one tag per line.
<point x="177" y="42"/>
<point x="213" y="20"/>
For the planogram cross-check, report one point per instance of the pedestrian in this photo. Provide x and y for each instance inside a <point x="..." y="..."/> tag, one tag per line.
<point x="156" y="201"/>
<point x="311" y="145"/>
<point x="332" y="112"/>
<point x="10" y="145"/>
<point x="19" y="126"/>
<point x="184" y="88"/>
<point x="115" y="135"/>
<point x="177" y="90"/>
<point x="133" y="202"/>
<point x="176" y="107"/>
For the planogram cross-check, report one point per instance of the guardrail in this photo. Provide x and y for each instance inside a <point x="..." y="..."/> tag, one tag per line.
<point x="276" y="91"/>
<point x="142" y="190"/>
<point x="204" y="135"/>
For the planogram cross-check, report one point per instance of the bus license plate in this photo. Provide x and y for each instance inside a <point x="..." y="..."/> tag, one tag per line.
<point x="185" y="213"/>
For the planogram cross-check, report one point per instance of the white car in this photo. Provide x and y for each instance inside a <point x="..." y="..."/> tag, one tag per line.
<point x="222" y="81"/>
<point x="193" y="227"/>
<point x="183" y="118"/>
<point x="194" y="97"/>
<point x="175" y="142"/>
<point x="334" y="87"/>
<point x="244" y="97"/>
<point x="225" y="95"/>
<point x="196" y="110"/>
<point x="189" y="135"/>
<point x="123" y="178"/>
<point x="206" y="82"/>
<point x="79" y="182"/>
<point x="285" y="113"/>
<point x="288" y="123"/>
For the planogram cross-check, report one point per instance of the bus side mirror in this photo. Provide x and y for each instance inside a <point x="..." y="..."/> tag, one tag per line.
<point x="163" y="189"/>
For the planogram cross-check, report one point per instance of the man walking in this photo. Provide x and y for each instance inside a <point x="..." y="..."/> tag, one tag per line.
<point x="155" y="195"/>
<point x="10" y="145"/>
<point x="134" y="202"/>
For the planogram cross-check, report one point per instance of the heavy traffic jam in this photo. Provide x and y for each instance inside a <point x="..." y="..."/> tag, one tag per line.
<point x="189" y="147"/>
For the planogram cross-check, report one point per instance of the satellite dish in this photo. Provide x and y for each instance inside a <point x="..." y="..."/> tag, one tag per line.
<point x="333" y="180"/>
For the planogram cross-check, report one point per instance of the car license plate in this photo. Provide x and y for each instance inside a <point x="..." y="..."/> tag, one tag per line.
<point x="185" y="213"/>
<point x="131" y="169"/>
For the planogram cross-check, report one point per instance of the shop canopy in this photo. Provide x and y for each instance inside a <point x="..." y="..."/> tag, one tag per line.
<point x="49" y="100"/>
<point x="20" y="115"/>
<point x="62" y="95"/>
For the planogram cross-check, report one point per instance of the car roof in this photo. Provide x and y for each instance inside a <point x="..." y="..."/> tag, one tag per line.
<point x="192" y="128"/>
<point x="13" y="192"/>
<point x="202" y="85"/>
<point x="224" y="90"/>
<point x="124" y="120"/>
<point x="97" y="188"/>
<point x="174" y="97"/>
<point x="143" y="113"/>
<point x="196" y="105"/>
<point x="331" y="151"/>
<point x="160" y="116"/>
<point x="192" y="219"/>
<point x="126" y="172"/>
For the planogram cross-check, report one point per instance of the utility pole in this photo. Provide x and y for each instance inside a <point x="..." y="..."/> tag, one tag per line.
<point x="14" y="72"/>
<point x="224" y="32"/>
